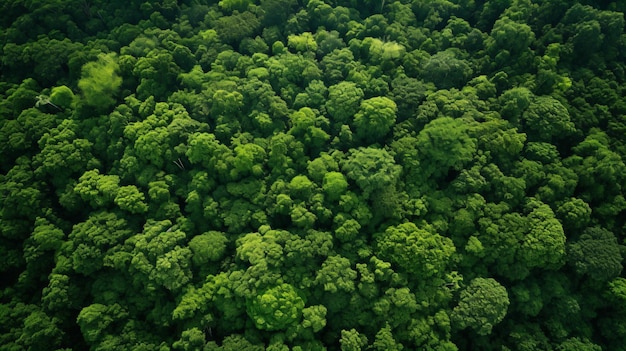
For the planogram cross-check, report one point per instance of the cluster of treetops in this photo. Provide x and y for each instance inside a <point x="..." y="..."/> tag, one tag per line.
<point x="313" y="175"/>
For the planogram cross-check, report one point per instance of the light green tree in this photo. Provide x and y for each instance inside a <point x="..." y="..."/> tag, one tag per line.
<point x="375" y="118"/>
<point x="100" y="81"/>
<point x="277" y="308"/>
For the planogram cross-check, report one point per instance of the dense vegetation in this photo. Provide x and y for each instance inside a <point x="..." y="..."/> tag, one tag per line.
<point x="310" y="175"/>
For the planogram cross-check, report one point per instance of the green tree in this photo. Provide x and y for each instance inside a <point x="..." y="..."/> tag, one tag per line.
<point x="309" y="128"/>
<point x="371" y="169"/>
<point x="572" y="344"/>
<point x="276" y="308"/>
<point x="191" y="339"/>
<point x="596" y="254"/>
<point x="40" y="331"/>
<point x="93" y="241"/>
<point x="207" y="247"/>
<point x="444" y="144"/>
<point x="599" y="168"/>
<point x="130" y="199"/>
<point x="232" y="29"/>
<point x="446" y="70"/>
<point x="98" y="320"/>
<point x="482" y="305"/>
<point x="343" y="102"/>
<point x="574" y="213"/>
<point x="510" y="35"/>
<point x="62" y="96"/>
<point x="64" y="153"/>
<point x="100" y="81"/>
<point x="385" y="341"/>
<point x="419" y="251"/>
<point x="334" y="185"/>
<point x="96" y="189"/>
<point x="232" y="5"/>
<point x="336" y="275"/>
<point x="352" y="340"/>
<point x="546" y="118"/>
<point x="544" y="244"/>
<point x="375" y="118"/>
<point x="302" y="42"/>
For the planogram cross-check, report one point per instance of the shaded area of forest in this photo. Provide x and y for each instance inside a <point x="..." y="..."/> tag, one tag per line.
<point x="312" y="175"/>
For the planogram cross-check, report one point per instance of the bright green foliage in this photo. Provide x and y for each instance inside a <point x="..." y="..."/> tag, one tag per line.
<point x="302" y="42"/>
<point x="63" y="153"/>
<point x="260" y="249"/>
<point x="62" y="96"/>
<point x="399" y="303"/>
<point x="130" y="199"/>
<point x="22" y="96"/>
<point x="59" y="294"/>
<point x="98" y="190"/>
<point x="483" y="304"/>
<point x="617" y="288"/>
<point x="309" y="128"/>
<point x="226" y="103"/>
<point x="206" y="150"/>
<point x="344" y="100"/>
<point x="314" y="317"/>
<point x="191" y="339"/>
<point x="301" y="187"/>
<point x="352" y="340"/>
<point x="385" y="341"/>
<point x="336" y="274"/>
<point x="424" y="332"/>
<point x="334" y="185"/>
<point x="375" y="118"/>
<point x="276" y="308"/>
<point x="235" y="342"/>
<point x="385" y="53"/>
<point x="519" y="243"/>
<point x="100" y="81"/>
<point x="232" y="5"/>
<point x="514" y="102"/>
<point x="319" y="167"/>
<point x="248" y="160"/>
<point x="347" y="229"/>
<point x="418" y="251"/>
<point x="158" y="257"/>
<point x="172" y="269"/>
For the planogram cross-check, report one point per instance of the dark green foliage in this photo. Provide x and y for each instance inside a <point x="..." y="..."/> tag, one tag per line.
<point x="312" y="175"/>
<point x="596" y="254"/>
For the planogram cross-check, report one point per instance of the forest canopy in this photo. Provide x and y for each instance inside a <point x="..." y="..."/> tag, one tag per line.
<point x="313" y="175"/>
